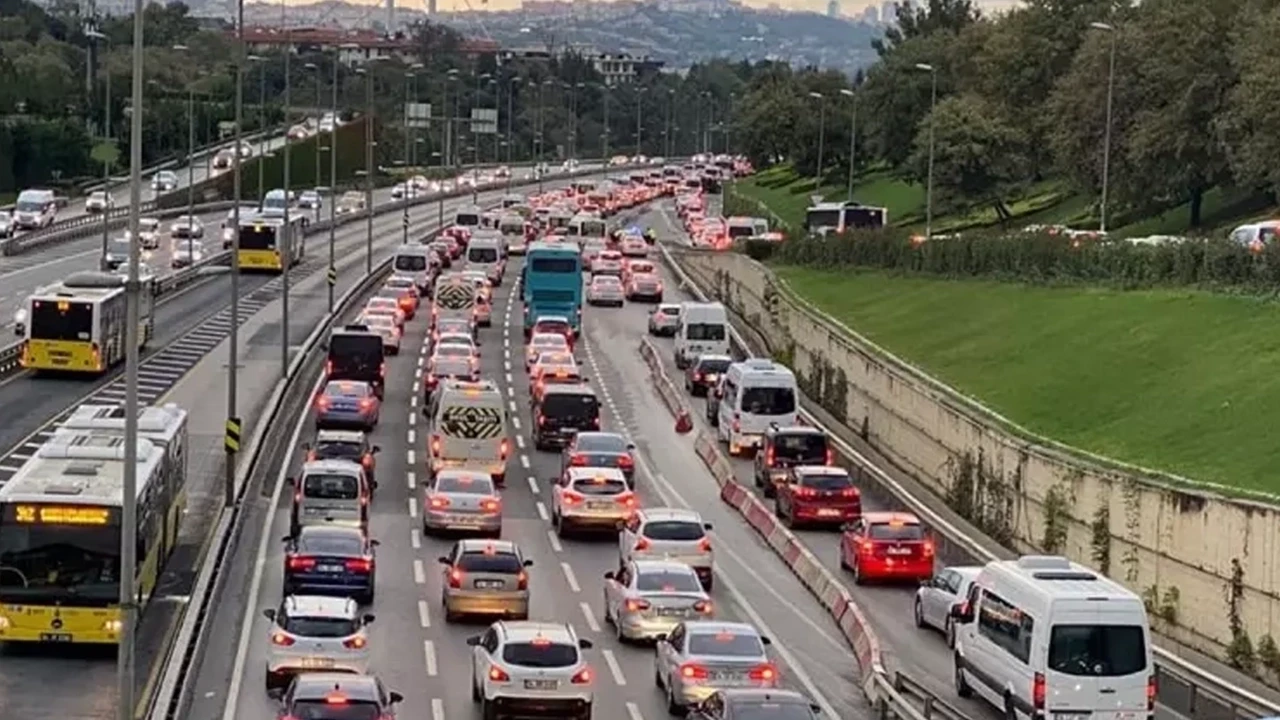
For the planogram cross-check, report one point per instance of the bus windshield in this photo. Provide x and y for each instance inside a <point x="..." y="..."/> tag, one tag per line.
<point x="66" y="563"/>
<point x="61" y="320"/>
<point x="561" y="264"/>
<point x="257" y="238"/>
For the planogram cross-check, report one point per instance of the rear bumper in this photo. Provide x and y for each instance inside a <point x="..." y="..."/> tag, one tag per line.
<point x="433" y="520"/>
<point x="542" y="706"/>
<point x="464" y="602"/>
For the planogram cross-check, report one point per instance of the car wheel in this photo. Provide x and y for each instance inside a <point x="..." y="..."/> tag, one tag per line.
<point x="919" y="614"/>
<point x="488" y="710"/>
<point x="962" y="686"/>
<point x="558" y="522"/>
<point x="674" y="708"/>
<point x="857" y="573"/>
<point x="475" y="689"/>
<point x="949" y="629"/>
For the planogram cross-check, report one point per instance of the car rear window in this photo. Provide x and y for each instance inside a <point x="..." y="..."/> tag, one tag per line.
<point x="714" y="366"/>
<point x="1097" y="650"/>
<point x="725" y="643"/>
<point x="676" y="530"/>
<point x="825" y="481"/>
<point x="346" y="389"/>
<point x="453" y="351"/>
<point x="324" y="710"/>
<point x="464" y="484"/>
<point x="601" y="443"/>
<point x="322" y="486"/>
<point x="540" y="655"/>
<point x="593" y="486"/>
<point x="671" y="311"/>
<point x="330" y="544"/>
<point x="339" y="450"/>
<point x="888" y="531"/>
<point x="479" y="562"/>
<point x="570" y="405"/>
<point x="667" y="581"/>
<point x="320" y="627"/>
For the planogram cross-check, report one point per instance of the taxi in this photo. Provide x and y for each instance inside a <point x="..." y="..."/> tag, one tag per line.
<point x="587" y="498"/>
<point x="887" y="546"/>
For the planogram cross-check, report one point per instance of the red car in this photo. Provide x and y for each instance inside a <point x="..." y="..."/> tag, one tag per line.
<point x="556" y="325"/>
<point x="818" y="495"/>
<point x="887" y="546"/>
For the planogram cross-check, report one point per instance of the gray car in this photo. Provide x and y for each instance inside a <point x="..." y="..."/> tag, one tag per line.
<point x="646" y="599"/>
<point x="485" y="577"/>
<point x="462" y="500"/>
<point x="699" y="657"/>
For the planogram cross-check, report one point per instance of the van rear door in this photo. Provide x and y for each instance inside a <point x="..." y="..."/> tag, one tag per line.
<point x="1099" y="661"/>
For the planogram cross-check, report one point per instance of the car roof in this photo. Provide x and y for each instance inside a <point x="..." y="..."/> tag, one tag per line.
<point x="667" y="513"/>
<point x="591" y="473"/>
<point x="478" y="545"/>
<point x="527" y="630"/>
<point x="332" y="465"/>
<point x="312" y="686"/>
<point x="794" y="430"/>
<point x="721" y="358"/>
<point x="558" y="338"/>
<point x="355" y="385"/>
<point x="321" y="606"/>
<point x="463" y="473"/>
<point x="833" y="470"/>
<point x="568" y="389"/>
<point x="352" y="436"/>
<point x="597" y="434"/>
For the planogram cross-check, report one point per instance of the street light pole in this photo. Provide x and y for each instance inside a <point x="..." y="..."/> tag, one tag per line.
<point x="639" y="103"/>
<point x="368" y="167"/>
<point x="928" y="193"/>
<point x="666" y="130"/>
<point x="410" y="190"/>
<point x="511" y="119"/>
<point x="233" y="350"/>
<point x="191" y="143"/>
<point x="106" y="133"/>
<point x="607" y="94"/>
<point x="262" y="121"/>
<point x="1106" y="143"/>
<point x="286" y="257"/>
<point x="853" y="139"/>
<point x="319" y="174"/>
<point x="333" y="179"/>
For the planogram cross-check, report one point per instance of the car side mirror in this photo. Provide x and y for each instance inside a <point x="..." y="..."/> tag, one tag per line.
<point x="765" y="640"/>
<point x="631" y="446"/>
<point x="286" y="539"/>
<point x="375" y="543"/>
<point x="608" y="575"/>
<point x="846" y="527"/>
<point x="276" y="694"/>
<point x="528" y="563"/>
<point x="816" y="708"/>
<point x="444" y="560"/>
<point x="369" y="618"/>
<point x="324" y="346"/>
<point x="395" y="697"/>
<point x="585" y="644"/>
<point x="270" y="614"/>
<point x="961" y="613"/>
<point x="473" y="641"/>
<point x="376" y="449"/>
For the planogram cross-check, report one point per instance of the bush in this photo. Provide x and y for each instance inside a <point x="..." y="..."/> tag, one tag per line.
<point x="1040" y="258"/>
<point x="757" y="249"/>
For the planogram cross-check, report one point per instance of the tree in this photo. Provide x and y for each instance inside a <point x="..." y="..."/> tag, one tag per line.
<point x="915" y="21"/>
<point x="1248" y="127"/>
<point x="896" y="95"/>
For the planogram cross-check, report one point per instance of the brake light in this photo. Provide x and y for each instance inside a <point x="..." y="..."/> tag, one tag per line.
<point x="335" y="699"/>
<point x="570" y="497"/>
<point x="737" y="423"/>
<point x="697" y="377"/>
<point x="770" y="456"/>
<point x="596" y="422"/>
<point x="455" y="578"/>
<point x="831" y="457"/>
<point x="1152" y="689"/>
<point x="382" y="369"/>
<point x="435" y="444"/>
<point x="628" y="499"/>
<point x="490" y="506"/>
<point x="542" y="419"/>
<point x="763" y="673"/>
<point x="504" y="448"/>
<point x="704" y="545"/>
<point x="301" y="563"/>
<point x="582" y="677"/>
<point x="1038" y="691"/>
<point x="522" y="581"/>
<point x="642" y="544"/>
<point x="432" y="381"/>
<point x="690" y="671"/>
<point x="804" y="492"/>
<point x="322" y="403"/>
<point x="367" y="461"/>
<point x="577" y="459"/>
<point x="311" y="456"/>
<point x="97" y="354"/>
<point x="703" y="607"/>
<point x="497" y="674"/>
<point x="359" y="565"/>
<point x="366" y="403"/>
<point x="626" y="461"/>
<point x="635" y="605"/>
<point x="328" y="367"/>
<point x="928" y="548"/>
<point x="849" y="492"/>
<point x="279" y="638"/>
<point x="866" y="546"/>
<point x="355" y="643"/>
<point x="439" y="502"/>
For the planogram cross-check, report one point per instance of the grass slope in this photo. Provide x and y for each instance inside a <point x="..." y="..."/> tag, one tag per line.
<point x="1182" y="381"/>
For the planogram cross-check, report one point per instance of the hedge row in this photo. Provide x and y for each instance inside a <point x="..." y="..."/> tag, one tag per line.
<point x="1038" y="258"/>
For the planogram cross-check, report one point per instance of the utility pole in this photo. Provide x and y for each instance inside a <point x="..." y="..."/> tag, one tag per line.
<point x="333" y="182"/>
<point x="106" y="133"/>
<point x="286" y="257"/>
<point x="232" y="440"/>
<point x="368" y="169"/>
<point x="605" y="150"/>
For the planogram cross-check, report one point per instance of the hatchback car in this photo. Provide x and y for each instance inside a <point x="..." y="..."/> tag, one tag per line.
<point x="404" y="298"/>
<point x="934" y="600"/>
<point x="330" y="560"/>
<point x="606" y="290"/>
<point x="601" y="450"/>
<point x="818" y="495"/>
<point x="702" y="656"/>
<point x="664" y="319"/>
<point x="646" y="599"/>
<point x="385" y="305"/>
<point x="704" y="373"/>
<point x="644" y="286"/>
<point x="755" y="704"/>
<point x="608" y="262"/>
<point x="485" y="577"/>
<point x="453" y="326"/>
<point x="887" y="546"/>
<point x="523" y="668"/>
<point x="311" y="633"/>
<point x="552" y="324"/>
<point x="586" y="499"/>
<point x="784" y="447"/>
<point x="348" y="403"/>
<point x="338" y="696"/>
<point x="461" y="500"/>
<point x="668" y="534"/>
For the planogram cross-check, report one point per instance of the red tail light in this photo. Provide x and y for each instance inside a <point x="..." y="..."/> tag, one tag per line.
<point x="763" y="673"/>
<point x="366" y="403"/>
<point x="582" y="677"/>
<point x="367" y="461"/>
<point x="328" y="367"/>
<point x="382" y="370"/>
<point x="849" y="493"/>
<point x="497" y="674"/>
<point x="1038" y="691"/>
<point x="866" y="546"/>
<point x="455" y="578"/>
<point x="577" y="459"/>
<point x="642" y="544"/>
<point x="281" y="639"/>
<point x="432" y="381"/>
<point x="697" y="377"/>
<point x="691" y="671"/>
<point x="804" y="492"/>
<point x="703" y="607"/>
<point x="522" y="581"/>
<point x="737" y="423"/>
<point x="596" y="422"/>
<point x="435" y="444"/>
<point x="928" y="548"/>
<point x="570" y="497"/>
<point x="438" y="503"/>
<point x="355" y="643"/>
<point x="626" y="462"/>
<point x="542" y="419"/>
<point x="491" y="506"/>
<point x="628" y="499"/>
<point x="636" y="605"/>
<point x="322" y="403"/>
<point x="360" y="565"/>
<point x="505" y="448"/>
<point x="831" y="457"/>
<point x="1152" y="689"/>
<point x="301" y="563"/>
<point x="770" y="456"/>
<point x="311" y="456"/>
<point x="705" y="545"/>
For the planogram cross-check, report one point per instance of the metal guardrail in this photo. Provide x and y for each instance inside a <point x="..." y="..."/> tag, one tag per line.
<point x="930" y="705"/>
<point x="1184" y="688"/>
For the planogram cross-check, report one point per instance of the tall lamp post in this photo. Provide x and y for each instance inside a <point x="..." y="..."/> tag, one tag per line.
<point x="1106" y="143"/>
<point x="286" y="257"/>
<point x="666" y="129"/>
<point x="319" y="174"/>
<point x="233" y="350"/>
<point x="106" y="133"/>
<point x="853" y="139"/>
<point x="410" y="189"/>
<point x="262" y="118"/>
<point x="933" y="104"/>
<point x="511" y="119"/>
<point x="822" y="135"/>
<point x="605" y="137"/>
<point x="367" y="71"/>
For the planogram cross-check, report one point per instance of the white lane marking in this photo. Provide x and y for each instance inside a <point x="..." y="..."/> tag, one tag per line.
<point x="633" y="711"/>
<point x="512" y="404"/>
<point x="412" y="479"/>
<point x="437" y="710"/>
<point x="413" y="435"/>
<point x="413" y="403"/>
<point x="424" y="614"/>
<point x="542" y="512"/>
<point x="409" y="455"/>
<point x="533" y="485"/>
<point x="421" y="361"/>
<point x="520" y="440"/>
<point x="415" y="538"/>
<point x="524" y="461"/>
<point x="417" y="388"/>
<point x="590" y="616"/>
<point x="417" y="374"/>
<point x="413" y="419"/>
<point x="413" y="507"/>
<point x="614" y="667"/>
<point x="419" y="573"/>
<point x="507" y="365"/>
<point x="515" y="422"/>
<point x="555" y="541"/>
<point x="572" y="579"/>
<point x="509" y="380"/>
<point x="429" y="650"/>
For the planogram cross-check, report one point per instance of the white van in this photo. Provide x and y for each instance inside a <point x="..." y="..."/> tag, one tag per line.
<point x="743" y="227"/>
<point x="35" y="209"/>
<point x="751" y="396"/>
<point x="585" y="227"/>
<point x="330" y="492"/>
<point x="701" y="329"/>
<point x="1044" y="637"/>
<point x="468" y="217"/>
<point x="469" y="428"/>
<point x="414" y="261"/>
<point x="485" y="254"/>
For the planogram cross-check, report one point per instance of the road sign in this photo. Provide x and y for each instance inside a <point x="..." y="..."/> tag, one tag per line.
<point x="484" y="121"/>
<point x="417" y="115"/>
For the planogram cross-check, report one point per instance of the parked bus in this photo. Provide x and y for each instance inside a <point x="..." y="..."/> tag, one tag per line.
<point x="264" y="240"/>
<point x="60" y="549"/>
<point x="79" y="325"/>
<point x="551" y="283"/>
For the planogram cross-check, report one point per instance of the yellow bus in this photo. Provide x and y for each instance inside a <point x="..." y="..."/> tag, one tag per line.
<point x="79" y="325"/>
<point x="263" y="240"/>
<point x="60" y="538"/>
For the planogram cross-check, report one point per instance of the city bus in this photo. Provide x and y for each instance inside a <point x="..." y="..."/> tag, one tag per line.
<point x="60" y="538"/>
<point x="80" y="325"/>
<point x="551" y="283"/>
<point x="263" y="239"/>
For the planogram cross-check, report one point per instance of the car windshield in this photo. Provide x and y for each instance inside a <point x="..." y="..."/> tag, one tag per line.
<point x="323" y="709"/>
<point x="801" y="446"/>
<point x="330" y="487"/>
<point x="769" y="400"/>
<point x="667" y="581"/>
<point x="725" y="643"/>
<point x="602" y="443"/>
<point x="497" y="562"/>
<point x="411" y="263"/>
<point x="570" y="405"/>
<point x="826" y="481"/>
<point x="540" y="654"/>
<point x="1097" y="650"/>
<point x="464" y="484"/>
<point x="339" y="450"/>
<point x="330" y="544"/>
<point x="379" y="321"/>
<point x="676" y="530"/>
<point x="320" y="627"/>
<point x="670" y="311"/>
<point x="892" y="531"/>
<point x="600" y="486"/>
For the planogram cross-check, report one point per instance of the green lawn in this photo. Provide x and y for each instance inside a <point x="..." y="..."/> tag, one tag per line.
<point x="1182" y="381"/>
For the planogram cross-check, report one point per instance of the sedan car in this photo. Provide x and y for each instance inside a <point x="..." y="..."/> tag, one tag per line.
<point x="351" y="202"/>
<point x="384" y="325"/>
<point x="348" y="403"/>
<point x="887" y="546"/>
<point x="601" y="450"/>
<point x="485" y="577"/>
<point x="606" y="290"/>
<point x="338" y="696"/>
<point x="99" y="201"/>
<point x="310" y="200"/>
<point x="644" y="286"/>
<point x="453" y="328"/>
<point x="186" y="253"/>
<point x="699" y="657"/>
<point x="461" y="500"/>
<point x="350" y="445"/>
<point x="587" y="499"/>
<point x="544" y="342"/>
<point x="315" y="633"/>
<point x="934" y="599"/>
<point x="634" y="246"/>
<point x="405" y="299"/>
<point x="149" y="233"/>
<point x="704" y="373"/>
<point x="664" y="319"/>
<point x="188" y="227"/>
<point x="164" y="181"/>
<point x="330" y="560"/>
<point x="385" y="306"/>
<point x="646" y="599"/>
<point x="409" y="289"/>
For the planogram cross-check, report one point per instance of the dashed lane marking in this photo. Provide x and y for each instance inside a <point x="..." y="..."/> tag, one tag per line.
<point x="542" y="512"/>
<point x="570" y="578"/>
<point x="590" y="617"/>
<point x="413" y="507"/>
<point x="412" y="479"/>
<point x="614" y="667"/>
<point x="419" y="573"/>
<point x="415" y="538"/>
<point x="429" y="650"/>
<point x="524" y="461"/>
<point x="533" y="485"/>
<point x="424" y="614"/>
<point x="555" y="541"/>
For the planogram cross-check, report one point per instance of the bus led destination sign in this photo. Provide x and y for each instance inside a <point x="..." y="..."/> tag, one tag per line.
<point x="61" y="515"/>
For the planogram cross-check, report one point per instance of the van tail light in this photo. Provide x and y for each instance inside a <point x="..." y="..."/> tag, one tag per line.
<point x="435" y="444"/>
<point x="367" y="461"/>
<point x="311" y="456"/>
<point x="737" y="423"/>
<point x="542" y="419"/>
<point x="328" y="367"/>
<point x="491" y="506"/>
<point x="497" y="674"/>
<point x="928" y="548"/>
<point x="504" y="448"/>
<point x="763" y="673"/>
<point x="571" y="498"/>
<point x="301" y="563"/>
<point x="582" y="677"/>
<point x="522" y="581"/>
<point x="355" y="643"/>
<point x="831" y="457"/>
<point x="703" y="606"/>
<point x="1152" y="689"/>
<point x="693" y="671"/>
<point x="595" y="421"/>
<point x="628" y="499"/>
<point x="438" y="503"/>
<point x="705" y="545"/>
<point x="642" y="544"/>
<point x="865" y="547"/>
<point x="279" y="638"/>
<point x="636" y="605"/>
<point x="770" y="456"/>
<point x="577" y="459"/>
<point x="697" y="377"/>
<point x="1038" y="691"/>
<point x="97" y="354"/>
<point x="455" y="578"/>
<point x="382" y="370"/>
<point x="360" y="565"/>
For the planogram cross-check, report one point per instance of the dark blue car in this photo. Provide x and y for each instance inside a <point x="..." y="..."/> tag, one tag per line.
<point x="330" y="560"/>
<point x="348" y="404"/>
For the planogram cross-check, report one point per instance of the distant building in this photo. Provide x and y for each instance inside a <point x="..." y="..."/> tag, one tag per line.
<point x="354" y="46"/>
<point x="833" y="8"/>
<point x="621" y="68"/>
<point x="431" y="7"/>
<point x="870" y="15"/>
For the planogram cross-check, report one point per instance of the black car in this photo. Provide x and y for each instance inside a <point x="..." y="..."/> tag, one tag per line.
<point x="330" y="560"/>
<point x="704" y="373"/>
<point x="755" y="704"/>
<point x="787" y="447"/>
<point x="338" y="696"/>
<point x="355" y="353"/>
<point x="562" y="412"/>
<point x="602" y="450"/>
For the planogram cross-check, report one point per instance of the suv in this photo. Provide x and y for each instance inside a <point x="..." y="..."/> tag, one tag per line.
<point x="561" y="411"/>
<point x="784" y="447"/>
<point x="526" y="666"/>
<point x="338" y="696"/>
<point x="312" y="631"/>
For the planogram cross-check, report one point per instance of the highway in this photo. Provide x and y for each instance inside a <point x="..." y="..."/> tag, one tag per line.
<point x="418" y="654"/>
<point x="35" y="679"/>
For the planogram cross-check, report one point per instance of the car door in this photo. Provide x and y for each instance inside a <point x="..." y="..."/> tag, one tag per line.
<point x="615" y="589"/>
<point x="937" y="597"/>
<point x="667" y="653"/>
<point x="483" y="650"/>
<point x="627" y="538"/>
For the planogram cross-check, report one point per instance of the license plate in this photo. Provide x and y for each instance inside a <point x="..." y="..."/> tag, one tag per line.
<point x="55" y="637"/>
<point x="670" y="612"/>
<point x="712" y="378"/>
<point x="488" y="584"/>
<point x="599" y="505"/>
<point x="464" y="520"/>
<point x="828" y="512"/>
<point x="1072" y="716"/>
<point x="727" y="677"/>
<point x="329" y="568"/>
<point x="316" y="662"/>
<point x="899" y="551"/>
<point x="541" y="684"/>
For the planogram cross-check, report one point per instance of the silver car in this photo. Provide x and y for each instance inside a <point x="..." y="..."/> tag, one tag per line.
<point x="606" y="290"/>
<point x="699" y="657"/>
<point x="149" y="233"/>
<point x="384" y="325"/>
<point x="186" y="253"/>
<point x="668" y="534"/>
<point x="316" y="633"/>
<point x="188" y="227"/>
<point x="935" y="598"/>
<point x="664" y="319"/>
<point x="164" y="181"/>
<point x="462" y="500"/>
<point x="99" y="201"/>
<point x="485" y="577"/>
<point x="646" y="599"/>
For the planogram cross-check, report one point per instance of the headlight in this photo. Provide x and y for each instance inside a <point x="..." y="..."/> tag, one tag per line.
<point x="111" y="626"/>
<point x="20" y="317"/>
<point x="4" y="623"/>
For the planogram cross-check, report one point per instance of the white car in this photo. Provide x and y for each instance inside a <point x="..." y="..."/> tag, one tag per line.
<point x="935" y="598"/>
<point x="664" y="319"/>
<point x="531" y="664"/>
<point x="385" y="325"/>
<point x="6" y="224"/>
<point x="608" y="262"/>
<point x="385" y="306"/>
<point x="149" y="233"/>
<point x="187" y="227"/>
<point x="668" y="534"/>
<point x="542" y="342"/>
<point x="606" y="290"/>
<point x="164" y="181"/>
<point x="312" y="633"/>
<point x="99" y="201"/>
<point x="186" y="253"/>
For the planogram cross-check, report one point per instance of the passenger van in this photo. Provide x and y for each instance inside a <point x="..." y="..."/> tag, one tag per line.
<point x="35" y="209"/>
<point x="414" y="261"/>
<point x="468" y="217"/>
<point x="356" y="353"/>
<point x="485" y="254"/>
<point x="558" y="219"/>
<point x="701" y="329"/>
<point x="330" y="492"/>
<point x="1042" y="637"/>
<point x="454" y="298"/>
<point x="753" y="395"/>
<point x="585" y="227"/>
<point x="743" y="227"/>
<point x="469" y="428"/>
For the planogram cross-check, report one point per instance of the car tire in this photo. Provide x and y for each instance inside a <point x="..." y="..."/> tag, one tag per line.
<point x="488" y="710"/>
<point x="475" y="690"/>
<point x="857" y="573"/>
<point x="674" y="708"/>
<point x="500" y="479"/>
<point x="918" y="613"/>
<point x="949" y="631"/>
<point x="558" y="523"/>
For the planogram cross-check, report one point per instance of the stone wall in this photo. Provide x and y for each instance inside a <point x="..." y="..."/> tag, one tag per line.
<point x="1205" y="563"/>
